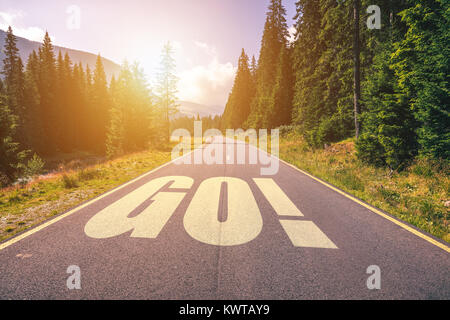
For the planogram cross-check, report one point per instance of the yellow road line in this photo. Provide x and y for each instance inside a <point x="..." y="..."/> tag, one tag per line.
<point x="380" y="213"/>
<point x="60" y="217"/>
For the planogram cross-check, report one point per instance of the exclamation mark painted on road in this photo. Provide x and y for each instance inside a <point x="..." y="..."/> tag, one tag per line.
<point x="306" y="234"/>
<point x="280" y="202"/>
<point x="301" y="233"/>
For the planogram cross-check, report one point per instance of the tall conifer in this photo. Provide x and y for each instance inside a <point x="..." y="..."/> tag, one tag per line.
<point x="274" y="38"/>
<point x="239" y="103"/>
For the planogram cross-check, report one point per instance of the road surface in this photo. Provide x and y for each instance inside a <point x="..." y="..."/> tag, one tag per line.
<point x="224" y="231"/>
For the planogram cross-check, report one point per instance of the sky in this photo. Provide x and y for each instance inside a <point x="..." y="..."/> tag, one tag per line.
<point x="208" y="35"/>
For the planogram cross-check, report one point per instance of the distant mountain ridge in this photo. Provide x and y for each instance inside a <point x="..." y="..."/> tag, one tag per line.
<point x="191" y="109"/>
<point x="26" y="47"/>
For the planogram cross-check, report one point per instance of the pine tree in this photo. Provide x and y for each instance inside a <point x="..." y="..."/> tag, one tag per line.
<point x="90" y="110"/>
<point x="12" y="130"/>
<point x="254" y="68"/>
<point x="274" y="38"/>
<point x="71" y="107"/>
<point x="357" y="66"/>
<point x="307" y="51"/>
<point x="114" y="142"/>
<point x="21" y="107"/>
<point x="100" y="105"/>
<point x="423" y="70"/>
<point x="11" y="70"/>
<point x="282" y="96"/>
<point x="238" y="106"/>
<point x="388" y="126"/>
<point x="115" y="135"/>
<point x="82" y="117"/>
<point x="88" y="80"/>
<point x="31" y="115"/>
<point x="388" y="137"/>
<point x="48" y="105"/>
<point x="337" y="75"/>
<point x="131" y="125"/>
<point x="14" y="83"/>
<point x="11" y="159"/>
<point x="143" y="127"/>
<point x="61" y="113"/>
<point x="167" y="87"/>
<point x="324" y="94"/>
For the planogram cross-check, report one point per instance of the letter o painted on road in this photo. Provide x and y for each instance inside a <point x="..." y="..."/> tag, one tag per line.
<point x="244" y="221"/>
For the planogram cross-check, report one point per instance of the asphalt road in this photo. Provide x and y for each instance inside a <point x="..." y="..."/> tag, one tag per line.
<point x="224" y="231"/>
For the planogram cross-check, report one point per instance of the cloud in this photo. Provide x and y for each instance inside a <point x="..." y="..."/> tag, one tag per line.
<point x="209" y="50"/>
<point x="13" y="18"/>
<point x="208" y="84"/>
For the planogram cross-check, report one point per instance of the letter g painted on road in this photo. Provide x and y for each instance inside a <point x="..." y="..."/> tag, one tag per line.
<point x="114" y="221"/>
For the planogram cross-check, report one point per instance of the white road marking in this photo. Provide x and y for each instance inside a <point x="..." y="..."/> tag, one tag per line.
<point x="113" y="220"/>
<point x="306" y="234"/>
<point x="244" y="221"/>
<point x="277" y="198"/>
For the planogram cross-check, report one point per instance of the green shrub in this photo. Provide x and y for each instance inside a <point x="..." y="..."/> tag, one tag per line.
<point x="88" y="174"/>
<point x="34" y="166"/>
<point x="423" y="170"/>
<point x="286" y="130"/>
<point x="330" y="130"/>
<point x="4" y="180"/>
<point x="69" y="182"/>
<point x="370" y="151"/>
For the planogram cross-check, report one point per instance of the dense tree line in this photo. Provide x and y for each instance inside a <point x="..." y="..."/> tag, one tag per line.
<point x="262" y="93"/>
<point x="309" y="83"/>
<point x="238" y="107"/>
<point x="187" y="123"/>
<point x="52" y="106"/>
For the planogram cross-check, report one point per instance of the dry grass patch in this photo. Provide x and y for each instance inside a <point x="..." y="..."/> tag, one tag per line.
<point x="418" y="195"/>
<point x="22" y="207"/>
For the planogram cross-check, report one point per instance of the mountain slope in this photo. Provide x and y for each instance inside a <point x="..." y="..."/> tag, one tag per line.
<point x="192" y="109"/>
<point x="26" y="47"/>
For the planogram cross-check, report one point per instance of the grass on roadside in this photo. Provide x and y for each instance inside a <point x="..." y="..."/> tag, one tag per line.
<point x="22" y="207"/>
<point x="417" y="195"/>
